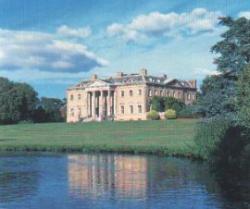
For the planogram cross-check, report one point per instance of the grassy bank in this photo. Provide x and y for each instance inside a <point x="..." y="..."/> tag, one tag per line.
<point x="173" y="137"/>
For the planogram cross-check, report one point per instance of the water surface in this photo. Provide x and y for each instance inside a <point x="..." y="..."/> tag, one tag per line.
<point x="111" y="181"/>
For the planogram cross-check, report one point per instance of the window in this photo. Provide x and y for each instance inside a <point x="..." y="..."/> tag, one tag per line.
<point x="179" y="94"/>
<point x="160" y="92"/>
<point x="156" y="93"/>
<point x="189" y="96"/>
<point x="130" y="93"/>
<point x="72" y="112"/>
<point x="139" y="109"/>
<point x="140" y="92"/>
<point x="150" y="93"/>
<point x="122" y="93"/>
<point x="79" y="96"/>
<point x="71" y="97"/>
<point x="131" y="109"/>
<point x="174" y="94"/>
<point x="122" y="109"/>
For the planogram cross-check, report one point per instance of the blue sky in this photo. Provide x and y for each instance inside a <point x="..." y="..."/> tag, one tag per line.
<point x="54" y="45"/>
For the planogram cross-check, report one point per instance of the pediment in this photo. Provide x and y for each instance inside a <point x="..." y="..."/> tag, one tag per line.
<point x="99" y="83"/>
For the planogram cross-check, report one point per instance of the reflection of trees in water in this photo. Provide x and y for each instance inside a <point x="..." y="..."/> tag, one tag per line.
<point x="229" y="185"/>
<point x="15" y="185"/>
<point x="18" y="177"/>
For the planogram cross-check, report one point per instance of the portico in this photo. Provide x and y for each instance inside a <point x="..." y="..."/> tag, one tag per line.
<point x="100" y="101"/>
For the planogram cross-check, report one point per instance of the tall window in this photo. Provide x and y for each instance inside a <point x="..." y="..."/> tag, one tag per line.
<point x="122" y="93"/>
<point x="174" y="94"/>
<point x="71" y="97"/>
<point x="122" y="109"/>
<point x="131" y="109"/>
<point x="140" y="92"/>
<point x="189" y="96"/>
<point x="179" y="94"/>
<point x="150" y="92"/>
<point x="130" y="92"/>
<point x="79" y="96"/>
<point x="72" y="112"/>
<point x="139" y="109"/>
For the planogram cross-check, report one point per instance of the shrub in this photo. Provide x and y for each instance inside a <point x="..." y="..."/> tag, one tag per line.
<point x="173" y="103"/>
<point x="158" y="104"/>
<point x="170" y="114"/>
<point x="187" y="112"/>
<point x="153" y="115"/>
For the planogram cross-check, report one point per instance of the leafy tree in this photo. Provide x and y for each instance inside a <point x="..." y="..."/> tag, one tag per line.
<point x="158" y="104"/>
<point x="243" y="98"/>
<point x="218" y="93"/>
<point x="51" y="107"/>
<point x="17" y="101"/>
<point x="161" y="104"/>
<point x="234" y="48"/>
<point x="173" y="103"/>
<point x="217" y="96"/>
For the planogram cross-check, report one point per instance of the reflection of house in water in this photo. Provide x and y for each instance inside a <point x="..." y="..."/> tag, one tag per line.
<point x="95" y="175"/>
<point x="131" y="176"/>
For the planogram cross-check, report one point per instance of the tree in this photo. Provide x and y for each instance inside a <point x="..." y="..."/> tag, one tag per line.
<point x="17" y="101"/>
<point x="218" y="93"/>
<point x="52" y="109"/>
<point x="217" y="97"/>
<point x="158" y="104"/>
<point x="234" y="49"/>
<point x="243" y="98"/>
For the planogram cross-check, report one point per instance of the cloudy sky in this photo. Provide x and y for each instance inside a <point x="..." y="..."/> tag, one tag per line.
<point x="54" y="45"/>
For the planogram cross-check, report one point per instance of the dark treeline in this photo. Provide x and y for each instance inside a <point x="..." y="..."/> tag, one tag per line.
<point x="19" y="102"/>
<point x="223" y="136"/>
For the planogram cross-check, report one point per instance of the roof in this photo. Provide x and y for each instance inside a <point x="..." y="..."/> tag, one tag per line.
<point x="130" y="79"/>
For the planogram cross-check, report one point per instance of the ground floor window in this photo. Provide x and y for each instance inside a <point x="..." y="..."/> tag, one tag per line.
<point x="122" y="109"/>
<point x="139" y="109"/>
<point x="131" y="109"/>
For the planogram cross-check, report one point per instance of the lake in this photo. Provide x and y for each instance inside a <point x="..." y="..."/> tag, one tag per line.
<point x="109" y="181"/>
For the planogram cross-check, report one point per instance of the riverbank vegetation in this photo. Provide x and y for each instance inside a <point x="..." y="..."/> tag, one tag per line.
<point x="166" y="137"/>
<point x="223" y="136"/>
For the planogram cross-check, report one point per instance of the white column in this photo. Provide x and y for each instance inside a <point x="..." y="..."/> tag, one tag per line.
<point x="108" y="103"/>
<point x="88" y="106"/>
<point x="93" y="104"/>
<point x="114" y="98"/>
<point x="101" y="105"/>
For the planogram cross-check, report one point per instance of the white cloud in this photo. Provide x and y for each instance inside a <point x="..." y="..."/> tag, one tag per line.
<point x="35" y="50"/>
<point x="74" y="32"/>
<point x="166" y="24"/>
<point x="245" y="14"/>
<point x="204" y="72"/>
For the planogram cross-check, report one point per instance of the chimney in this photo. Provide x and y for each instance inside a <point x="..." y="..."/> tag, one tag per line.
<point x="94" y="77"/>
<point x="164" y="76"/>
<point x="193" y="83"/>
<point x="119" y="74"/>
<point x="144" y="72"/>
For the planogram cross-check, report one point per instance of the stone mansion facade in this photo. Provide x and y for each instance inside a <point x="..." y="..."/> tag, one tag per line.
<point x="123" y="97"/>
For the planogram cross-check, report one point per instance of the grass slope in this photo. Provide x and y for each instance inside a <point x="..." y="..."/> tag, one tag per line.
<point x="172" y="137"/>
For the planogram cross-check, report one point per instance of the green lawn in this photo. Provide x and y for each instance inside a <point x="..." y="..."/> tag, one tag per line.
<point x="171" y="137"/>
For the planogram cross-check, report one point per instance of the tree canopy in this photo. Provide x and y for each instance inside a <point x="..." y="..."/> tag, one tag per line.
<point x="20" y="102"/>
<point x="17" y="101"/>
<point x="218" y="93"/>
